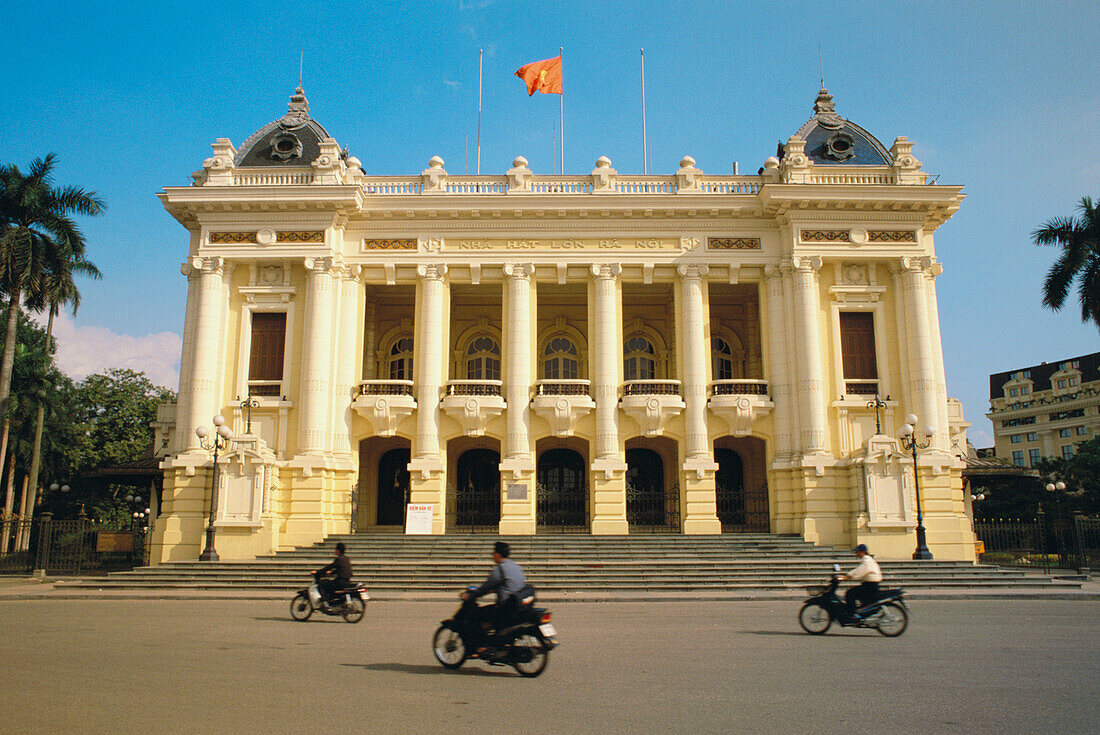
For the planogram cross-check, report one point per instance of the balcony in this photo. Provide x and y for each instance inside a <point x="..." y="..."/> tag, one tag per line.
<point x="473" y="404"/>
<point x="384" y="403"/>
<point x="740" y="402"/>
<point x="652" y="403"/>
<point x="562" y="403"/>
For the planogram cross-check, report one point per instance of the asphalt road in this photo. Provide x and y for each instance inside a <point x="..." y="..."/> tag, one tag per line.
<point x="136" y="666"/>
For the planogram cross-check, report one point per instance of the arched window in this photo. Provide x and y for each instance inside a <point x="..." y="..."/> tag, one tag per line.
<point x="639" y="359"/>
<point x="559" y="359"/>
<point x="723" y="359"/>
<point x="401" y="359"/>
<point x="483" y="359"/>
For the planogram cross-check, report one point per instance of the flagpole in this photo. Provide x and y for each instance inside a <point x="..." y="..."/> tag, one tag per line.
<point x="480" y="53"/>
<point x="645" y="155"/>
<point x="561" y="110"/>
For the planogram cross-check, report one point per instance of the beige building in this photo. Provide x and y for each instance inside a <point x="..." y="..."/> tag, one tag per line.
<point x="1045" y="410"/>
<point x="527" y="353"/>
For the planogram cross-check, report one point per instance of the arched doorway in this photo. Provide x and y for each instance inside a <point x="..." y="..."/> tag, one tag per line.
<point x="477" y="490"/>
<point x="647" y="503"/>
<point x="561" y="499"/>
<point x="740" y="509"/>
<point x="393" y="487"/>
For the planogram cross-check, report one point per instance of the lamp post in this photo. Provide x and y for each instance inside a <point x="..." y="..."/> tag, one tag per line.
<point x="219" y="442"/>
<point x="1058" y="488"/>
<point x="911" y="442"/>
<point x="878" y="404"/>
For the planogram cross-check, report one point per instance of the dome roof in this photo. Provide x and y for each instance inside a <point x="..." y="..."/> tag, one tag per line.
<point x="292" y="140"/>
<point x="830" y="139"/>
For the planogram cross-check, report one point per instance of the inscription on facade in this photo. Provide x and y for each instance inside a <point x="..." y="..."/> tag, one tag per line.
<point x="623" y="243"/>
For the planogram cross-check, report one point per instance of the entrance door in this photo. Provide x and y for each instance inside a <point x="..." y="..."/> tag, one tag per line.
<point x="739" y="509"/>
<point x="477" y="492"/>
<point x="561" y="499"/>
<point x="393" y="487"/>
<point x="647" y="503"/>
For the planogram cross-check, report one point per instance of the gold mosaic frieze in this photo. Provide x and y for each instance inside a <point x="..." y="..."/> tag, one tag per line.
<point x="390" y="244"/>
<point x="308" y="236"/>
<point x="825" y="236"/>
<point x="232" y="238"/>
<point x="891" y="236"/>
<point x="733" y="243"/>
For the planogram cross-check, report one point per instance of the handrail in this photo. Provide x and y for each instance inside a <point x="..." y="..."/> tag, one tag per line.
<point x="384" y="388"/>
<point x="564" y="387"/>
<point x="651" y="388"/>
<point x="739" y="387"/>
<point x="474" y="387"/>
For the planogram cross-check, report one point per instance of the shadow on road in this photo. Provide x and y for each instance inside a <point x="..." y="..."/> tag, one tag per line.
<point x="426" y="669"/>
<point x="798" y="634"/>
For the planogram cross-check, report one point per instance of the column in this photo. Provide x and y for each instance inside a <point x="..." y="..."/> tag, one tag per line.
<point x="180" y="433"/>
<point x="943" y="431"/>
<point x="347" y="352"/>
<point x="814" y="430"/>
<point x="698" y="491"/>
<point x="370" y="339"/>
<point x="609" y="466"/>
<point x="518" y="466"/>
<point x="205" y="372"/>
<point x="779" y="375"/>
<point x="922" y="367"/>
<point x="317" y="348"/>
<point x="430" y="367"/>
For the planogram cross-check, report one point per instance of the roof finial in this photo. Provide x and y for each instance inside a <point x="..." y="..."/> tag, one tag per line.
<point x="302" y="60"/>
<point x="821" y="64"/>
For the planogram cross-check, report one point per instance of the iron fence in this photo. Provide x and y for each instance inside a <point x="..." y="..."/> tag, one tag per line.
<point x="653" y="508"/>
<point x="69" y="547"/>
<point x="1041" y="543"/>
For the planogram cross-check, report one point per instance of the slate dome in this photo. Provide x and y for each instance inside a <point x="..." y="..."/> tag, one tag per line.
<point x="832" y="140"/>
<point x="292" y="140"/>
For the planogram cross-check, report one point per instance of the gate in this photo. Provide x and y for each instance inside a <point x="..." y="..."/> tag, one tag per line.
<point x="651" y="507"/>
<point x="72" y="547"/>
<point x="561" y="501"/>
<point x="741" y="510"/>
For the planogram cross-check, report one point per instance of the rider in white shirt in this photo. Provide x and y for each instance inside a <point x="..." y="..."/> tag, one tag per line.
<point x="869" y="575"/>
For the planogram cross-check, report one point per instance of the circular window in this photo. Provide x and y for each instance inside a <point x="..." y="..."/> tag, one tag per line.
<point x="286" y="146"/>
<point x="840" y="146"/>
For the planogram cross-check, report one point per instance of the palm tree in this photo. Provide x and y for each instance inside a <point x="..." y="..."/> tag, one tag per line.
<point x="1079" y="239"/>
<point x="36" y="230"/>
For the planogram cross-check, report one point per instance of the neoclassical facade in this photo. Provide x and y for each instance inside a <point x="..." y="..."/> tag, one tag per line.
<point x="527" y="353"/>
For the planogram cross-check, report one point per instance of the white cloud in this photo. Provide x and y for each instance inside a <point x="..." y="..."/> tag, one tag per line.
<point x="980" y="439"/>
<point x="452" y="85"/>
<point x="82" y="351"/>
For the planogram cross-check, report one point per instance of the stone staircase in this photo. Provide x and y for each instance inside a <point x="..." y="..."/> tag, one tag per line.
<point x="564" y="563"/>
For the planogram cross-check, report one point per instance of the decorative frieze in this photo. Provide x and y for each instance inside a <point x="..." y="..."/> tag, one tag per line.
<point x="733" y="243"/>
<point x="891" y="236"/>
<point x="317" y="236"/>
<point x="231" y="238"/>
<point x="403" y="244"/>
<point x="264" y="237"/>
<point x="825" y="236"/>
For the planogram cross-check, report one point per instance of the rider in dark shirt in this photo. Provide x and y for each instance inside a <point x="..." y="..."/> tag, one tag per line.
<point x="341" y="568"/>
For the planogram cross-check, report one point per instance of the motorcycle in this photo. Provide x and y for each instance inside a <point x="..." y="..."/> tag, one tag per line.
<point x="349" y="603"/>
<point x="525" y="643"/>
<point x="889" y="615"/>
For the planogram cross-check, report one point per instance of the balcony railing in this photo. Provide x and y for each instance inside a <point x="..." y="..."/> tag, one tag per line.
<point x="473" y="388"/>
<point x="265" y="388"/>
<point x="561" y="388"/>
<point x="651" y="388"/>
<point x="384" y="388"/>
<point x="860" y="387"/>
<point x="739" y="387"/>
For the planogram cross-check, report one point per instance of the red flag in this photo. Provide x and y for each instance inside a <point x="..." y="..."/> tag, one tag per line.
<point x="542" y="76"/>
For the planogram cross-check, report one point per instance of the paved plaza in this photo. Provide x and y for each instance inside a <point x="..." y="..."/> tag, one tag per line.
<point x="216" y="666"/>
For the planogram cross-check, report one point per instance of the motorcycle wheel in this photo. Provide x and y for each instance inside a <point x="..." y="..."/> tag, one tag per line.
<point x="353" y="610"/>
<point x="814" y="619"/>
<point x="530" y="655"/>
<point x="448" y="647"/>
<point x="300" y="608"/>
<point x="892" y="620"/>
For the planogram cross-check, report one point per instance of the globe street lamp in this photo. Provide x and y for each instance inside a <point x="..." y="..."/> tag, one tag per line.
<point x="1059" y="488"/>
<point x="219" y="442"/>
<point x="909" y="441"/>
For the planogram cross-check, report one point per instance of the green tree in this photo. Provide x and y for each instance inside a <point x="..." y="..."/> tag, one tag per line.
<point x="36" y="230"/>
<point x="1079" y="239"/>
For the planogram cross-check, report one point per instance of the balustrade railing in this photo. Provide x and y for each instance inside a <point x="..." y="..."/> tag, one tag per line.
<point x="477" y="185"/>
<point x="265" y="388"/>
<point x="561" y="388"/>
<point x="384" y="388"/>
<point x="861" y="387"/>
<point x="474" y="388"/>
<point x="739" y="387"/>
<point x="854" y="177"/>
<point x="392" y="185"/>
<point x="561" y="185"/>
<point x="651" y="388"/>
<point x="254" y="177"/>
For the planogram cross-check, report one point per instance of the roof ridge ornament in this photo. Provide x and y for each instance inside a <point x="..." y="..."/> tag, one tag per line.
<point x="298" y="110"/>
<point x="825" y="111"/>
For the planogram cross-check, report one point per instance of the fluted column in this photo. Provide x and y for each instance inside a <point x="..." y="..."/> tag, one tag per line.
<point x="317" y="349"/>
<point x="430" y="367"/>
<point x="922" y="355"/>
<point x="779" y="379"/>
<point x="943" y="432"/>
<point x="347" y="357"/>
<point x="205" y="371"/>
<point x="814" y="434"/>
<point x="187" y="358"/>
<point x="609" y="466"/>
<point x="517" y="393"/>
<point x="696" y="355"/>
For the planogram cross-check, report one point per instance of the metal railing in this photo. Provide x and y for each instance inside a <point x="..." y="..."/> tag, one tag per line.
<point x="265" y="388"/>
<point x="651" y="388"/>
<point x="861" y="387"/>
<point x="384" y="388"/>
<point x="475" y="510"/>
<point x="1043" y="542"/>
<point x="741" y="510"/>
<point x="561" y="388"/>
<point x="561" y="510"/>
<point x="739" y="387"/>
<point x="473" y="387"/>
<point x="70" y="547"/>
<point x="653" y="507"/>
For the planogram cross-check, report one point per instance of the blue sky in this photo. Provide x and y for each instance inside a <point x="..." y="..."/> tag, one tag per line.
<point x="1000" y="97"/>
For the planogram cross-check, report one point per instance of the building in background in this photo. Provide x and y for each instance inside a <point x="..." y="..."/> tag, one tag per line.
<point x="527" y="353"/>
<point x="1046" y="409"/>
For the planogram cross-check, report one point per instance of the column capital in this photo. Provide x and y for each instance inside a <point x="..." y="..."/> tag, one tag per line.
<point x="693" y="271"/>
<point x="804" y="264"/>
<point x="319" y="265"/>
<point x="606" y="271"/>
<point x="215" y="265"/>
<point x="519" y="270"/>
<point x="431" y="272"/>
<point x="922" y="264"/>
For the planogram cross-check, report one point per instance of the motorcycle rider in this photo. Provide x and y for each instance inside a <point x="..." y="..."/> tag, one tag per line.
<point x="869" y="575"/>
<point x="506" y="579"/>
<point x="341" y="567"/>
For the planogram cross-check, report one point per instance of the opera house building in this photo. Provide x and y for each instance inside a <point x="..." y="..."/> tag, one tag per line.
<point x="530" y="353"/>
